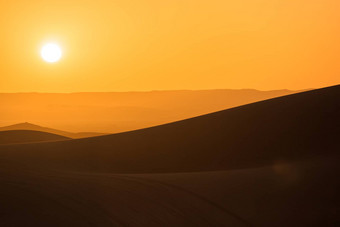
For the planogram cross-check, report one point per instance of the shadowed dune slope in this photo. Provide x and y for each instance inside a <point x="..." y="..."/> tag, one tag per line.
<point x="290" y="127"/>
<point x="27" y="136"/>
<point x="301" y="193"/>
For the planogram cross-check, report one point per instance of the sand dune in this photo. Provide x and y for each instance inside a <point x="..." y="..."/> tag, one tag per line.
<point x="27" y="136"/>
<point x="290" y="127"/>
<point x="271" y="163"/>
<point x="33" y="127"/>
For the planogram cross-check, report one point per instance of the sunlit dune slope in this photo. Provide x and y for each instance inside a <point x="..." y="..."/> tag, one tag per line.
<point x="284" y="128"/>
<point x="27" y="136"/>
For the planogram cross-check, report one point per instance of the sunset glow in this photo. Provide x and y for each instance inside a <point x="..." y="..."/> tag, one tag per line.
<point x="169" y="45"/>
<point x="146" y="113"/>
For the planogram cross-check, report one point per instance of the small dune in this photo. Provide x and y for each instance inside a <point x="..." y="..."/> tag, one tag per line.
<point x="28" y="136"/>
<point x="33" y="127"/>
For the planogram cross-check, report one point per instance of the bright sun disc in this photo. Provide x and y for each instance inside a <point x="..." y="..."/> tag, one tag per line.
<point x="51" y="52"/>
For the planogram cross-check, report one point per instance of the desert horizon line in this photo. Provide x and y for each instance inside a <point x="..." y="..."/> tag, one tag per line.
<point x="165" y="90"/>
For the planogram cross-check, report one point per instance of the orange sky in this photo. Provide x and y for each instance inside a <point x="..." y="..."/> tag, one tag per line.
<point x="170" y="44"/>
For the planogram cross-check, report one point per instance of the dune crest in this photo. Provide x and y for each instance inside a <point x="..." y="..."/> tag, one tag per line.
<point x="289" y="127"/>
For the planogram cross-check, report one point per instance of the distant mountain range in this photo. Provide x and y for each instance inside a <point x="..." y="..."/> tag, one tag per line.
<point x="111" y="112"/>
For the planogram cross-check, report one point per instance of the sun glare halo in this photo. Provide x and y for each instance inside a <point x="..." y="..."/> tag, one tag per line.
<point x="51" y="52"/>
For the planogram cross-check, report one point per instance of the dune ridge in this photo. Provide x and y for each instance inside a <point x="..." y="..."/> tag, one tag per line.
<point x="289" y="127"/>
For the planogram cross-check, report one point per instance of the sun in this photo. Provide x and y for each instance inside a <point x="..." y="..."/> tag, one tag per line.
<point x="51" y="52"/>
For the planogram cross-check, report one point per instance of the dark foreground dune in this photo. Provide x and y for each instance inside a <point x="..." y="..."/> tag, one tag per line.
<point x="271" y="163"/>
<point x="291" y="194"/>
<point x="28" y="136"/>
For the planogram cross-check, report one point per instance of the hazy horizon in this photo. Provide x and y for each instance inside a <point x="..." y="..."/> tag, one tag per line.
<point x="111" y="112"/>
<point x="167" y="90"/>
